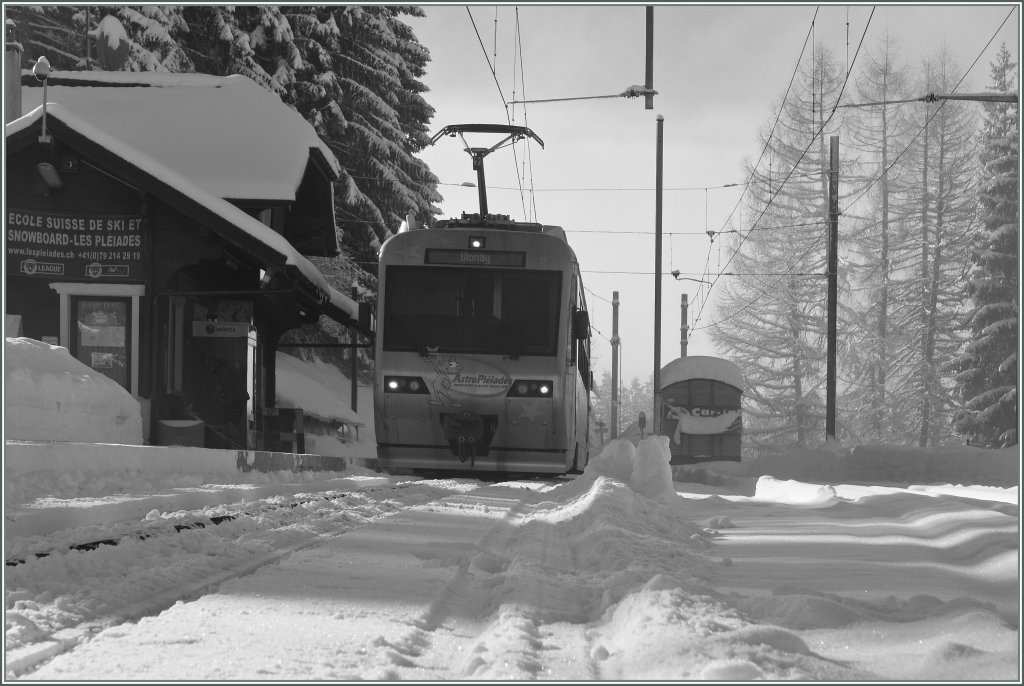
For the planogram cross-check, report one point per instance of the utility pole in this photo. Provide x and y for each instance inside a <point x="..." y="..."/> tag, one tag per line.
<point x="682" y="328"/>
<point x="833" y="290"/>
<point x="615" y="364"/>
<point x="355" y="365"/>
<point x="649" y="67"/>
<point x="656" y="418"/>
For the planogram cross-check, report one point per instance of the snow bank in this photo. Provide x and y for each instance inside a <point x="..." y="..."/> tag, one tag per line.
<point x="793" y="492"/>
<point x="652" y="475"/>
<point x="957" y="464"/>
<point x="615" y="461"/>
<point x="51" y="396"/>
<point x="644" y="467"/>
<point x="886" y="464"/>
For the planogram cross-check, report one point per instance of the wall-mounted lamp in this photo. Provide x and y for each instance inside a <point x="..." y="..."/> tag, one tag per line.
<point x="50" y="176"/>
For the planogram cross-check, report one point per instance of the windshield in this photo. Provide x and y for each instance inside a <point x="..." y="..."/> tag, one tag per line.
<point x="510" y="312"/>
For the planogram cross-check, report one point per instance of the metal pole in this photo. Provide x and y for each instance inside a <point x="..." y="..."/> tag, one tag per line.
<point x="683" y="329"/>
<point x="649" y="70"/>
<point x="615" y="365"/>
<point x="656" y="418"/>
<point x="354" y="382"/>
<point x="481" y="183"/>
<point x="44" y="138"/>
<point x="833" y="290"/>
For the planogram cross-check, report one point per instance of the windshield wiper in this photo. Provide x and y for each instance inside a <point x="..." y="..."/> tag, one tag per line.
<point x="397" y="323"/>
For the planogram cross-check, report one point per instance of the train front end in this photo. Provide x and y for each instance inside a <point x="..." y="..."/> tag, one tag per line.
<point x="471" y="367"/>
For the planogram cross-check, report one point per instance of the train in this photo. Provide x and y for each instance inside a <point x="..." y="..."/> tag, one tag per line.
<point x="701" y="411"/>
<point x="482" y="347"/>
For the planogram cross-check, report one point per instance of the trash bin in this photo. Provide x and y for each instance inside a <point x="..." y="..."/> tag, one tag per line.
<point x="189" y="432"/>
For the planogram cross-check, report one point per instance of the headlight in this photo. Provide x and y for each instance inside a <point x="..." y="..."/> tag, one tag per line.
<point x="527" y="388"/>
<point x="405" y="384"/>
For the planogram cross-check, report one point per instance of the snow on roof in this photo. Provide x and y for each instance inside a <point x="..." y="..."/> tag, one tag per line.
<point x="225" y="133"/>
<point x="701" y="367"/>
<point x="190" y="188"/>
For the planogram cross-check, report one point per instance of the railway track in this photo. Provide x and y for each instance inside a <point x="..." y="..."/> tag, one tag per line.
<point x="172" y="561"/>
<point x="188" y="521"/>
<point x="456" y="541"/>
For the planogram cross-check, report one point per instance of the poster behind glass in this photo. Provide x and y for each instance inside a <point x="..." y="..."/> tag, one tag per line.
<point x="103" y="333"/>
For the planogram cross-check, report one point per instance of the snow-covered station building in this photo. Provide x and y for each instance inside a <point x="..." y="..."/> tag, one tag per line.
<point x="158" y="227"/>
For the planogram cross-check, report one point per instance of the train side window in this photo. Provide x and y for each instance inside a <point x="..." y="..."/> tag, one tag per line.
<point x="726" y="396"/>
<point x="702" y="392"/>
<point x="581" y="334"/>
<point x="584" y="363"/>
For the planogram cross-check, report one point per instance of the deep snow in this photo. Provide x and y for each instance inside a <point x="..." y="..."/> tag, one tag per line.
<point x="875" y="562"/>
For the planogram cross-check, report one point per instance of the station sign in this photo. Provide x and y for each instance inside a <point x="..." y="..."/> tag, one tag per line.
<point x="218" y="329"/>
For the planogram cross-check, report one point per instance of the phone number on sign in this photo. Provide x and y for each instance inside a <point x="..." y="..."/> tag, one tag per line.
<point x="106" y="256"/>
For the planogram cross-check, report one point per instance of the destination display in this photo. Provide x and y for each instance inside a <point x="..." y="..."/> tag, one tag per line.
<point x="475" y="258"/>
<point x="75" y="247"/>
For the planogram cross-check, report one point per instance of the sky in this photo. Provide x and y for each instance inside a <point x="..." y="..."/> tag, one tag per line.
<point x="718" y="70"/>
<point x="871" y="563"/>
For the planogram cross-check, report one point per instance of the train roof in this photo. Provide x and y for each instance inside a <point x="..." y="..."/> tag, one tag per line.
<point x="498" y="221"/>
<point x="701" y="367"/>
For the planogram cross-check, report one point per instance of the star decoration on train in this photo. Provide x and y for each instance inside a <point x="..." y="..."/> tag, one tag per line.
<point x="530" y="411"/>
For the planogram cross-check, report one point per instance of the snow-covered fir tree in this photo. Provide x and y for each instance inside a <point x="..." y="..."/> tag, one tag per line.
<point x="252" y="40"/>
<point x="359" y="87"/>
<point x="375" y="68"/>
<point x="152" y="33"/>
<point x="771" y="317"/>
<point x="69" y="35"/>
<point x="872" y="241"/>
<point x="988" y="378"/>
<point x="940" y="216"/>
